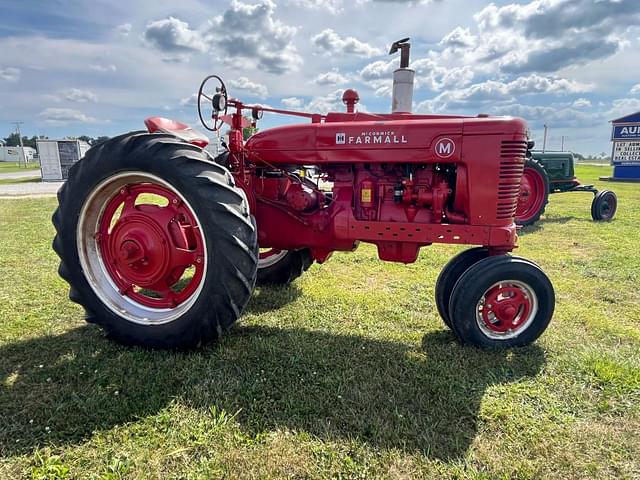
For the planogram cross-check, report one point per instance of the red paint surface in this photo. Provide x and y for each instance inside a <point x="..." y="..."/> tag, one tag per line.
<point x="390" y="185"/>
<point x="146" y="248"/>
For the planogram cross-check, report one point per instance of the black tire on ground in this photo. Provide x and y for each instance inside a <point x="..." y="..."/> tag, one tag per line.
<point x="534" y="193"/>
<point x="224" y="231"/>
<point x="286" y="267"/>
<point x="450" y="274"/>
<point x="604" y="205"/>
<point x="501" y="302"/>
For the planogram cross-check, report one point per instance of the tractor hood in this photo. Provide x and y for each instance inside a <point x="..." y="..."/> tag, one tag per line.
<point x="409" y="139"/>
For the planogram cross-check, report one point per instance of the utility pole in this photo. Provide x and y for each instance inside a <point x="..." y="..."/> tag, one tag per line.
<point x="544" y="141"/>
<point x="562" y="143"/>
<point x="24" y="157"/>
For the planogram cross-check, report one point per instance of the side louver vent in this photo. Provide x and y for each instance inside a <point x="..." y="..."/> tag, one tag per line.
<point x="512" y="158"/>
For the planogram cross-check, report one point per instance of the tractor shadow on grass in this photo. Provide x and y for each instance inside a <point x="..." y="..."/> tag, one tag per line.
<point x="539" y="225"/>
<point x="272" y="297"/>
<point x="58" y="390"/>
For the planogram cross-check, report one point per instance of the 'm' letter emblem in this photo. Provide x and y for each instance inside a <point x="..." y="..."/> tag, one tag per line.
<point x="445" y="147"/>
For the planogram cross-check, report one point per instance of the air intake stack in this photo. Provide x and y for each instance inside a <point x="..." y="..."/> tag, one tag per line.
<point x="403" y="79"/>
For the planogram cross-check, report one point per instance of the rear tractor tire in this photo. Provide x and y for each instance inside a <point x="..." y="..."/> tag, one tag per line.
<point x="450" y="274"/>
<point x="534" y="193"/>
<point x="156" y="242"/>
<point x="500" y="302"/>
<point x="281" y="267"/>
<point x="604" y="205"/>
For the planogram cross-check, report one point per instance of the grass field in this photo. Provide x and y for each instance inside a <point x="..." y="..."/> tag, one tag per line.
<point x="11" y="181"/>
<point x="349" y="373"/>
<point x="10" y="167"/>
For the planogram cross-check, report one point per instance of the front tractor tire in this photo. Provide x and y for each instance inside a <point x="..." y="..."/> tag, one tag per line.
<point x="450" y="274"/>
<point x="155" y="241"/>
<point x="500" y="302"/>
<point x="281" y="267"/>
<point x="534" y="193"/>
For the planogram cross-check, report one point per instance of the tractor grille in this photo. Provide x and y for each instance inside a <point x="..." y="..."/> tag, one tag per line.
<point x="512" y="157"/>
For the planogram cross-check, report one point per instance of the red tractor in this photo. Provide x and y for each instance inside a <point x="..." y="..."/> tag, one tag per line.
<point x="162" y="244"/>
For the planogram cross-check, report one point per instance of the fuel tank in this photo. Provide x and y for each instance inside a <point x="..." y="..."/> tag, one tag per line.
<point x="376" y="138"/>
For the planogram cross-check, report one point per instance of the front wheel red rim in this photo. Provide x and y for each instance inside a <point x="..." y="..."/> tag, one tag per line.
<point x="531" y="198"/>
<point x="506" y="309"/>
<point x="142" y="247"/>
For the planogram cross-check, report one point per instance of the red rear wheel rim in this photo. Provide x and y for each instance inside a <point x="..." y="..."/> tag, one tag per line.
<point x="146" y="247"/>
<point x="531" y="196"/>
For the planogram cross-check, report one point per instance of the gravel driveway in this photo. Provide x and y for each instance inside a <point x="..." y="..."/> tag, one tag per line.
<point x="27" y="189"/>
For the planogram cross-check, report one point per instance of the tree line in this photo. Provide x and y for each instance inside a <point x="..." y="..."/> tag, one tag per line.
<point x="13" y="140"/>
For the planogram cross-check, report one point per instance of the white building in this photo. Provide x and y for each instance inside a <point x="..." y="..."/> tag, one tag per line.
<point x="14" y="154"/>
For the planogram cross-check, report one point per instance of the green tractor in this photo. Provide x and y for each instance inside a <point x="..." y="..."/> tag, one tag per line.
<point x="553" y="172"/>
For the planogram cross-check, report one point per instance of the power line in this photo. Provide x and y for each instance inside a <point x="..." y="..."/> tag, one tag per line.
<point x="24" y="157"/>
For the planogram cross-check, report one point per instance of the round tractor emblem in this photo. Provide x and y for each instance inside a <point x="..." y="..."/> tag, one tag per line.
<point x="445" y="147"/>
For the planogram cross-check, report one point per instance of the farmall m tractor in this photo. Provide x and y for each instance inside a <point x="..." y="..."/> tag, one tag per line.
<point x="162" y="244"/>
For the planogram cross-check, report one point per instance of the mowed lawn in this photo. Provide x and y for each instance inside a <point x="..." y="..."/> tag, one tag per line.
<point x="11" y="167"/>
<point x="349" y="373"/>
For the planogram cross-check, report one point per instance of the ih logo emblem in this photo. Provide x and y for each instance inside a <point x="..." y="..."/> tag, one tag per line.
<point x="445" y="147"/>
<point x="341" y="138"/>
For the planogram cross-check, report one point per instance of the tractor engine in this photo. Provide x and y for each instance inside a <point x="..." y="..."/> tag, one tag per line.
<point x="405" y="193"/>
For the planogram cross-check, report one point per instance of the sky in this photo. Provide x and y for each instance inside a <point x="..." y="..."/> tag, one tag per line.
<point x="98" y="67"/>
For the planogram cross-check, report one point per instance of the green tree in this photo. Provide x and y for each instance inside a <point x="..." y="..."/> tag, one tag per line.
<point x="99" y="140"/>
<point x="13" y="140"/>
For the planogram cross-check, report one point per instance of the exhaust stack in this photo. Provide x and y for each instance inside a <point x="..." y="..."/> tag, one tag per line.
<point x="403" y="78"/>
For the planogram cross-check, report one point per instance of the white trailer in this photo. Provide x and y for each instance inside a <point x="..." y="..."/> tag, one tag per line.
<point x="57" y="157"/>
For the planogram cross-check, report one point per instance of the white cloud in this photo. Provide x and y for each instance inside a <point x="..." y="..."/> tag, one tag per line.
<point x="64" y="116"/>
<point x="103" y="68"/>
<point x="10" y="74"/>
<point x="252" y="88"/>
<point x="635" y="90"/>
<point x="334" y="77"/>
<point x="123" y="30"/>
<point x="190" y="101"/>
<point x="623" y="106"/>
<point x="244" y="32"/>
<point x="292" y="102"/>
<point x="329" y="42"/>
<point x="429" y="75"/>
<point x="252" y="32"/>
<point x="492" y="91"/>
<point x="78" y="95"/>
<point x="581" y="103"/>
<point x="330" y="102"/>
<point x="331" y="6"/>
<point x="549" y="35"/>
<point x="173" y="35"/>
<point x="557" y="117"/>
<point x="459" y="38"/>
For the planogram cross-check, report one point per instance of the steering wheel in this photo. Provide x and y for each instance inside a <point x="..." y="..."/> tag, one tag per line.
<point x="218" y="103"/>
